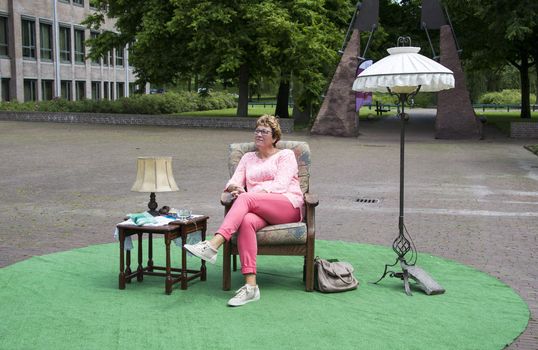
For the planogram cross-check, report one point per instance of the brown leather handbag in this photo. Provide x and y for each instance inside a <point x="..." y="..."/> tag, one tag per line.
<point x="333" y="276"/>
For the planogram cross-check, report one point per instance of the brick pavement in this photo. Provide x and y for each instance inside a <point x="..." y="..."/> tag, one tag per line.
<point x="66" y="186"/>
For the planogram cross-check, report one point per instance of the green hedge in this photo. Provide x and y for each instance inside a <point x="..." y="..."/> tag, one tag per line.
<point x="167" y="103"/>
<point x="503" y="97"/>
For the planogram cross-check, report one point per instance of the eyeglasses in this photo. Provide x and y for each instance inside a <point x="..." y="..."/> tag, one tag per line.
<point x="262" y="131"/>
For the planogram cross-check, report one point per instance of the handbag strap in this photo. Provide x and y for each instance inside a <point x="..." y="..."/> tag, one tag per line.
<point x="351" y="278"/>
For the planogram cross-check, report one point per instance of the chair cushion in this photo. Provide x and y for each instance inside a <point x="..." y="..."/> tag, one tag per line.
<point x="300" y="149"/>
<point x="284" y="234"/>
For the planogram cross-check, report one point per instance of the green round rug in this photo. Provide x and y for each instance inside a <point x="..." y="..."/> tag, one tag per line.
<point x="71" y="300"/>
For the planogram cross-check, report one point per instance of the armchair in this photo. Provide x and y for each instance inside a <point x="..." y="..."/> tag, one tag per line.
<point x="296" y="239"/>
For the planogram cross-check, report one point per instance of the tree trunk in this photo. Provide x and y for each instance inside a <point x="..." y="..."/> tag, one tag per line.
<point x="525" y="85"/>
<point x="282" y="99"/>
<point x="242" y="103"/>
<point x="301" y="117"/>
<point x="493" y="81"/>
<point x="536" y="84"/>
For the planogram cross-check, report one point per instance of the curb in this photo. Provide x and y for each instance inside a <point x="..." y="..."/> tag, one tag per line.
<point x="141" y="119"/>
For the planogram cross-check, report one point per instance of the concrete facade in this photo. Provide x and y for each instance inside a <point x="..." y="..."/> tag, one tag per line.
<point x="43" y="54"/>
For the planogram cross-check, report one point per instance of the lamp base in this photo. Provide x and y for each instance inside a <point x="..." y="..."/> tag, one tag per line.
<point x="152" y="205"/>
<point x="424" y="281"/>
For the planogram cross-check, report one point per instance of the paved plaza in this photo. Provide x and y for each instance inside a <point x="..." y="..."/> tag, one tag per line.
<point x="475" y="201"/>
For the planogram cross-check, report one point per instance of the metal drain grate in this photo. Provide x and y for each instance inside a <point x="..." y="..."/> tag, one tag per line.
<point x="367" y="200"/>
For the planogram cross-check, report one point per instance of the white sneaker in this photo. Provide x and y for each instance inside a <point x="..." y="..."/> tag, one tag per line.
<point x="203" y="250"/>
<point x="244" y="295"/>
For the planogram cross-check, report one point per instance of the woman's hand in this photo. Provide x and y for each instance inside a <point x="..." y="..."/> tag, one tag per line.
<point x="237" y="191"/>
<point x="233" y="188"/>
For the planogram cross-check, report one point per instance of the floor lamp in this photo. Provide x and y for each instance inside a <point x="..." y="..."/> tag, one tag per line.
<point x="403" y="74"/>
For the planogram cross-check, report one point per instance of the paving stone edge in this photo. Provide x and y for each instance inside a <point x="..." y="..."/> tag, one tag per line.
<point x="141" y="119"/>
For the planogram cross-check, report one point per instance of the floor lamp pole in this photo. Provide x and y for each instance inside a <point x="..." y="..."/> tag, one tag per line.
<point x="403" y="98"/>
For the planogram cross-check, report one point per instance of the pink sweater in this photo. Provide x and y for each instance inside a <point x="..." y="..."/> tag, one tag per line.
<point x="276" y="174"/>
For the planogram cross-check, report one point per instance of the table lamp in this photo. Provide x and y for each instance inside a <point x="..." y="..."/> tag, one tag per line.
<point x="154" y="174"/>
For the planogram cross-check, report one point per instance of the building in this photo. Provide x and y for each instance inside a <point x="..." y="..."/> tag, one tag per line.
<point x="43" y="55"/>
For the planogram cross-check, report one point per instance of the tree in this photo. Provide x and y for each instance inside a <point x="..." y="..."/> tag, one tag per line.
<point x="174" y="38"/>
<point x="241" y="40"/>
<point x="310" y="55"/>
<point x="493" y="32"/>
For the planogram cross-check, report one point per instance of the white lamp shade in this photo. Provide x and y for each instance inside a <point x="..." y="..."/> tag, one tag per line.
<point x="154" y="174"/>
<point x="403" y="71"/>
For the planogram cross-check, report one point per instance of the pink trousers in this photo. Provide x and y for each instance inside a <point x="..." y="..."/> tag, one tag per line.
<point x="251" y="212"/>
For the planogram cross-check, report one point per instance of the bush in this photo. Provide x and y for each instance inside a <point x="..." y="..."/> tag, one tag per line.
<point x="512" y="97"/>
<point x="216" y="100"/>
<point x="167" y="103"/>
<point x="19" y="107"/>
<point x="421" y="100"/>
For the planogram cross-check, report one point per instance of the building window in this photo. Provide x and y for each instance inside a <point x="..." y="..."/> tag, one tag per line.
<point x="119" y="90"/>
<point x="96" y="90"/>
<point x="66" y="1"/>
<point x="80" y="90"/>
<point x="94" y="35"/>
<point x="28" y="38"/>
<point x="106" y="58"/>
<point x="119" y="56"/>
<point x="65" y="44"/>
<point x="5" y="89"/>
<point x="46" y="90"/>
<point x="106" y="91"/>
<point x="79" y="46"/>
<point x="30" y="90"/>
<point x="78" y="2"/>
<point x="3" y="36"/>
<point x="45" y="36"/>
<point x="65" y="86"/>
<point x="132" y="89"/>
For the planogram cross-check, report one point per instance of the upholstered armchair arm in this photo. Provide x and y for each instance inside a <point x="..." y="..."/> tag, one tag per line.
<point x="311" y="201"/>
<point x="226" y="199"/>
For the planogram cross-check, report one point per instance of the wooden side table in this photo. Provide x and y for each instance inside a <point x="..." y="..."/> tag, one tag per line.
<point x="173" y="230"/>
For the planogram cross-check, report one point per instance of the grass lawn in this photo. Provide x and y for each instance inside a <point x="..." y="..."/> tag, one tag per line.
<point x="502" y="120"/>
<point x="253" y="112"/>
<point x="256" y="111"/>
<point x="367" y="113"/>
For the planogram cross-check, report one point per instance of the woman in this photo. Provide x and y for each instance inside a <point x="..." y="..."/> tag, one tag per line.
<point x="267" y="191"/>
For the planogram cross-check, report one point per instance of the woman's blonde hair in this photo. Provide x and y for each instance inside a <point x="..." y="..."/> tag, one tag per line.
<point x="271" y="122"/>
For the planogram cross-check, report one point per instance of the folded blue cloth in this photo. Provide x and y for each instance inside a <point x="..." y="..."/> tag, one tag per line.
<point x="140" y="219"/>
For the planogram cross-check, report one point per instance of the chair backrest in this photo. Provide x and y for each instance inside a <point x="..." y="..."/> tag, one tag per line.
<point x="300" y="149"/>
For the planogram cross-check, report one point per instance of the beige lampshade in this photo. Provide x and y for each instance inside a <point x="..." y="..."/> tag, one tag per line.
<point x="403" y="71"/>
<point x="154" y="174"/>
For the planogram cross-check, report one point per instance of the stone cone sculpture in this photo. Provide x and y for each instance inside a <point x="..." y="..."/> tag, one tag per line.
<point x="456" y="118"/>
<point x="337" y="116"/>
